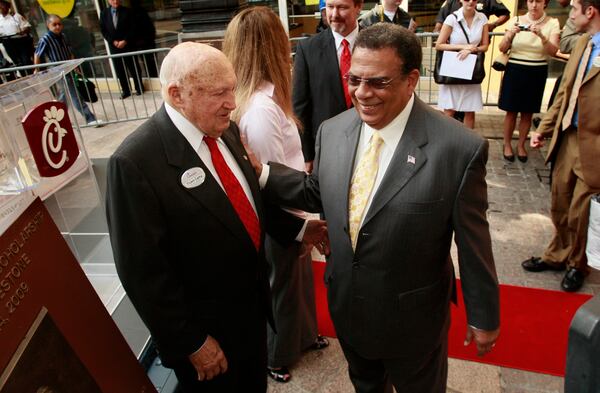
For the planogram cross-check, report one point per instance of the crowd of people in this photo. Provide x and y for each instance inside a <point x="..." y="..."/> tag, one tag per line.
<point x="209" y="200"/>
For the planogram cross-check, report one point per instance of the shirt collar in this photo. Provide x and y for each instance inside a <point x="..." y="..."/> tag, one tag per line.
<point x="596" y="40"/>
<point x="350" y="38"/>
<point x="191" y="133"/>
<point x="392" y="133"/>
<point x="267" y="88"/>
<point x="461" y="16"/>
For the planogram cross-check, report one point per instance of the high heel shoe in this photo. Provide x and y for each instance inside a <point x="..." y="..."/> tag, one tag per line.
<point x="510" y="158"/>
<point x="523" y="159"/>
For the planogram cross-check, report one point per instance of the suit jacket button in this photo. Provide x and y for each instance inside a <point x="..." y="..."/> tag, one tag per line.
<point x="355" y="265"/>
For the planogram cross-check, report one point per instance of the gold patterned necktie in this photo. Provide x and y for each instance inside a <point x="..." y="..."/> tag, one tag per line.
<point x="362" y="184"/>
<point x="585" y="58"/>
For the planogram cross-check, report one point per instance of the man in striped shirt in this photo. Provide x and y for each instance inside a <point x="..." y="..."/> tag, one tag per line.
<point x="53" y="45"/>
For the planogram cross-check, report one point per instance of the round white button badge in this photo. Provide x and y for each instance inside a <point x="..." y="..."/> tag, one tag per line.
<point x="193" y="177"/>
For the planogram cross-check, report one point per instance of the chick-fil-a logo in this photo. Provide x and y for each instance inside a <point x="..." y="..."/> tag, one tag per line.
<point x="51" y="138"/>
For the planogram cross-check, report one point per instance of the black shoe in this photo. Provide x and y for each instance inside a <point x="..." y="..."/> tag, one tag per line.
<point x="139" y="93"/>
<point x="573" y="280"/>
<point x="522" y="158"/>
<point x="320" y="343"/>
<point x="510" y="158"/>
<point x="125" y="95"/>
<point x="281" y="374"/>
<point x="536" y="264"/>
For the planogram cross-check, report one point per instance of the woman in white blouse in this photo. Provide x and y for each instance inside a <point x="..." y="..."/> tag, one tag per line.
<point x="258" y="47"/>
<point x="463" y="98"/>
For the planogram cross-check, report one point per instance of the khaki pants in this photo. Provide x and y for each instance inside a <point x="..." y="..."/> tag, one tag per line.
<point x="570" y="208"/>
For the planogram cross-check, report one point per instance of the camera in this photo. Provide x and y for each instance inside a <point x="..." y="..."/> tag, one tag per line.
<point x="524" y="27"/>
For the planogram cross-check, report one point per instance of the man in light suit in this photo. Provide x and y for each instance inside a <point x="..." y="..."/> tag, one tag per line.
<point x="390" y="277"/>
<point x="187" y="225"/>
<point x="318" y="90"/>
<point x="573" y="125"/>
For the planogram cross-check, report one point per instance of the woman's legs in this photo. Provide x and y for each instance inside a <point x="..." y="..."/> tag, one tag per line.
<point x="524" y="126"/>
<point x="509" y="126"/>
<point x="470" y="119"/>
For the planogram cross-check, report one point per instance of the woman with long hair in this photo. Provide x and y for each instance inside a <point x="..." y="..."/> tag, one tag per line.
<point x="531" y="39"/>
<point x="258" y="47"/>
<point x="464" y="31"/>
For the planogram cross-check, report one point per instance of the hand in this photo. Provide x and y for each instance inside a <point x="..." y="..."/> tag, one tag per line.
<point x="485" y="340"/>
<point x="308" y="167"/>
<point x="209" y="361"/>
<point x="316" y="235"/>
<point x="536" y="140"/>
<point x="255" y="162"/>
<point x="463" y="54"/>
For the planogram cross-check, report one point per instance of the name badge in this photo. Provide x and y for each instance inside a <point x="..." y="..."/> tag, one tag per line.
<point x="596" y="61"/>
<point x="193" y="177"/>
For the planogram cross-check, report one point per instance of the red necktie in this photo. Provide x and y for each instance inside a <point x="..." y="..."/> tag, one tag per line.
<point x="235" y="192"/>
<point x="344" y="69"/>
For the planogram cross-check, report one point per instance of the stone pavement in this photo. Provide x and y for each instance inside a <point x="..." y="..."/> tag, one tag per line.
<point x="520" y="226"/>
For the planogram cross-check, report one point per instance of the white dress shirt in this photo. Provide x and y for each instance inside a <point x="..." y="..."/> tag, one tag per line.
<point x="351" y="38"/>
<point x="195" y="136"/>
<point x="12" y="25"/>
<point x="271" y="135"/>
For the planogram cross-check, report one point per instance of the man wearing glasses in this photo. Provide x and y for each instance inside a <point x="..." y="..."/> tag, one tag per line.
<point x="396" y="181"/>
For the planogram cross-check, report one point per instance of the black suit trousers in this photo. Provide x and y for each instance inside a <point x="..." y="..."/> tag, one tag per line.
<point x="126" y="67"/>
<point x="425" y="375"/>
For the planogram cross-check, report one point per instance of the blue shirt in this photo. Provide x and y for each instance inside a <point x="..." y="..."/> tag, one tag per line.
<point x="54" y="47"/>
<point x="595" y="53"/>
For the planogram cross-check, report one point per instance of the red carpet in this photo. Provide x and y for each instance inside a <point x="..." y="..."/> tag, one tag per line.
<point x="534" y="332"/>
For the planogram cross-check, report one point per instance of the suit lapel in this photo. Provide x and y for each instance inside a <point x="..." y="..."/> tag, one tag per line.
<point x="330" y="61"/>
<point x="346" y="153"/>
<point x="406" y="161"/>
<point x="592" y="74"/>
<point x="209" y="194"/>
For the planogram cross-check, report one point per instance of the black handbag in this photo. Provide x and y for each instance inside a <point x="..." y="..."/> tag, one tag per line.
<point x="85" y="88"/>
<point x="478" y="71"/>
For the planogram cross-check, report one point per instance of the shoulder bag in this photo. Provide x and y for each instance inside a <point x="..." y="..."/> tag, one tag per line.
<point x="478" y="72"/>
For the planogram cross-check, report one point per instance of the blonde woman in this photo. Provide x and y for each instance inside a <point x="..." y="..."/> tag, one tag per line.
<point x="258" y="47"/>
<point x="466" y="32"/>
<point x="531" y="38"/>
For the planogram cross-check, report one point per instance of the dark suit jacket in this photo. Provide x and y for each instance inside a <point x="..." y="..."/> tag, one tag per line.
<point x="125" y="28"/>
<point x="183" y="255"/>
<point x="588" y="129"/>
<point x="317" y="93"/>
<point x="390" y="298"/>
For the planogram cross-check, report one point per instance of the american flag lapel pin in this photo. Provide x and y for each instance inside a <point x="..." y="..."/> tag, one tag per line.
<point x="410" y="159"/>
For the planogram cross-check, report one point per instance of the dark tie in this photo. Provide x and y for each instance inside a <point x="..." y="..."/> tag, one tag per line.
<point x="235" y="192"/>
<point x="345" y="68"/>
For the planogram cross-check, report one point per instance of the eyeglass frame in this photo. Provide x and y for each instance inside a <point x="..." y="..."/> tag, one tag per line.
<point x="384" y="84"/>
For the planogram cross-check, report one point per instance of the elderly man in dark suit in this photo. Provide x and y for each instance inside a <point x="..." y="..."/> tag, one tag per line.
<point x="187" y="225"/>
<point x="319" y="91"/>
<point x="396" y="181"/>
<point x="118" y="27"/>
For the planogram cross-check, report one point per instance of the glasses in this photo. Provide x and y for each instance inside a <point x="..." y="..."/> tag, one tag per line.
<point x="376" y="83"/>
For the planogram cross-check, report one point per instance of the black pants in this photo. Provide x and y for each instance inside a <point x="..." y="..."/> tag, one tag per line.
<point x="428" y="374"/>
<point x="126" y="67"/>
<point x="20" y="50"/>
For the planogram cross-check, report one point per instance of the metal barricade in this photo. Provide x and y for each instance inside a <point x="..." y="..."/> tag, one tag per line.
<point x="141" y="70"/>
<point x="110" y="108"/>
